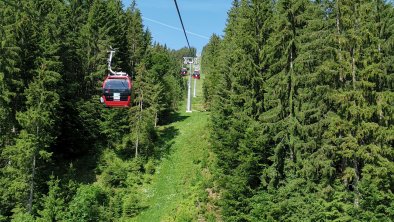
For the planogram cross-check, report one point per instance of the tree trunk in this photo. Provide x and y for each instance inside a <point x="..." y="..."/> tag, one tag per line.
<point x="30" y="205"/>
<point x="156" y="120"/>
<point x="137" y="141"/>
<point x="291" y="83"/>
<point x="355" y="184"/>
<point x="353" y="70"/>
<point x="138" y="123"/>
<point x="339" y="41"/>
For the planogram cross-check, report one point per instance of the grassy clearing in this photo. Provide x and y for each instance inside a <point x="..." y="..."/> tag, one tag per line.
<point x="177" y="188"/>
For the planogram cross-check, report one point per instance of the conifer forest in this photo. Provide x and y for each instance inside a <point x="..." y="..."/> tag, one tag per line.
<point x="294" y="122"/>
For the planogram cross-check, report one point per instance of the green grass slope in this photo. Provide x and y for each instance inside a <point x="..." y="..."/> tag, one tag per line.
<point x="176" y="192"/>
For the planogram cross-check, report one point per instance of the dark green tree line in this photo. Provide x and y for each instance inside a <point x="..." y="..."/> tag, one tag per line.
<point x="302" y="110"/>
<point x="55" y="135"/>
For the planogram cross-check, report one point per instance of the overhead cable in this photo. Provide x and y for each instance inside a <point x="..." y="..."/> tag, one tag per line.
<point x="183" y="27"/>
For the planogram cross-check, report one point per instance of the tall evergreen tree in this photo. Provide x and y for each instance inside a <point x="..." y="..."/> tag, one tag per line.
<point x="209" y="65"/>
<point x="9" y="75"/>
<point x="136" y="42"/>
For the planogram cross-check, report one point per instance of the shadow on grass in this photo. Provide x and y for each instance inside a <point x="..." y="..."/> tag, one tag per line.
<point x="163" y="145"/>
<point x="167" y="134"/>
<point x="173" y="117"/>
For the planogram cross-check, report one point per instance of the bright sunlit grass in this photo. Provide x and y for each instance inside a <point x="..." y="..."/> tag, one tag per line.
<point x="175" y="185"/>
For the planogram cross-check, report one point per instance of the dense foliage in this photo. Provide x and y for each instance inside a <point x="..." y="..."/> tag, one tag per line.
<point x="63" y="155"/>
<point x="302" y="102"/>
<point x="301" y="94"/>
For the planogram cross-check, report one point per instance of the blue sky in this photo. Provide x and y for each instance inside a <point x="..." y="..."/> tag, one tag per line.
<point x="201" y="18"/>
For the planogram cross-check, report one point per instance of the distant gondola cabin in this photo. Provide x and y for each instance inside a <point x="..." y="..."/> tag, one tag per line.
<point x="184" y="72"/>
<point x="196" y="74"/>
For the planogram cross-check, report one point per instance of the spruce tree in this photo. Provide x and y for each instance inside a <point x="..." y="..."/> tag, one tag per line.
<point x="136" y="42"/>
<point x="9" y="75"/>
<point x="209" y="65"/>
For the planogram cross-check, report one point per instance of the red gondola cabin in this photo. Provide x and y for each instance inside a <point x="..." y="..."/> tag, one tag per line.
<point x="116" y="87"/>
<point x="117" y="91"/>
<point x="196" y="74"/>
<point x="184" y="72"/>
